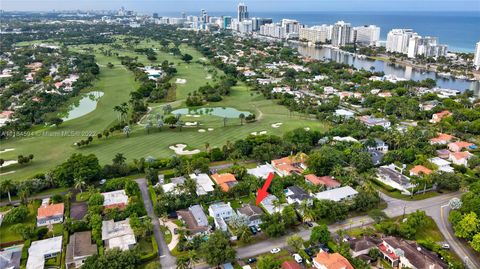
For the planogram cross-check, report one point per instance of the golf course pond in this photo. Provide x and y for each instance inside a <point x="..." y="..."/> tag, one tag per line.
<point x="227" y="112"/>
<point x="82" y="107"/>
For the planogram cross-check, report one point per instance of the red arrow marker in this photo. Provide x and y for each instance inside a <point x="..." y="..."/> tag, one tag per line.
<point x="262" y="193"/>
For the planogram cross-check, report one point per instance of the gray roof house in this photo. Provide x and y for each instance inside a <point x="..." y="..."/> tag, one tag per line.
<point x="10" y="257"/>
<point x="79" y="249"/>
<point x="391" y="175"/>
<point x="253" y="213"/>
<point x="195" y="220"/>
<point x="296" y="195"/>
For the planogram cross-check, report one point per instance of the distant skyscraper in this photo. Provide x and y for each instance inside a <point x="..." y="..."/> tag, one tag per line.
<point x="227" y="22"/>
<point x="368" y="34"/>
<point x="476" y="59"/>
<point x="155" y="15"/>
<point x="397" y="40"/>
<point x="341" y="33"/>
<point x="242" y="12"/>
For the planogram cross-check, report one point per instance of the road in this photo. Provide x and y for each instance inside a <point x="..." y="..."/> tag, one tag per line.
<point x="17" y="202"/>
<point x="395" y="208"/>
<point x="166" y="259"/>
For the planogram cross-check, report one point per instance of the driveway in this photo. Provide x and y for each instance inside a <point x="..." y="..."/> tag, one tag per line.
<point x="166" y="259"/>
<point x="172" y="226"/>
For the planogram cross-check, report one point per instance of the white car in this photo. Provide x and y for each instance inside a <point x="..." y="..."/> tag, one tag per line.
<point x="275" y="251"/>
<point x="445" y="246"/>
<point x="297" y="258"/>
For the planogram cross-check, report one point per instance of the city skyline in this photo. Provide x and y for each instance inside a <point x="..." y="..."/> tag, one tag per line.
<point x="147" y="6"/>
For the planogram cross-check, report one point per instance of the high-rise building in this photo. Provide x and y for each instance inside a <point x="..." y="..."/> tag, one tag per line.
<point x="367" y="35"/>
<point x="426" y="46"/>
<point x="227" y="22"/>
<point x="257" y="22"/>
<point x="341" y="34"/>
<point x="292" y="28"/>
<point x="314" y="35"/>
<point x="242" y="12"/>
<point x="476" y="59"/>
<point x="273" y="30"/>
<point x="155" y="15"/>
<point x="397" y="40"/>
<point x="245" y="26"/>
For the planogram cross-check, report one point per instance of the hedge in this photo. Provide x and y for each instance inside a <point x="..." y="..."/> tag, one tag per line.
<point x="152" y="255"/>
<point x="383" y="185"/>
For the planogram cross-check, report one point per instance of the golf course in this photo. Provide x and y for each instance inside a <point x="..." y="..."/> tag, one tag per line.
<point x="52" y="145"/>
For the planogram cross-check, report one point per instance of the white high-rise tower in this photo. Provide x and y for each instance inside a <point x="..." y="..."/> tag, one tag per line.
<point x="476" y="59"/>
<point x="242" y="12"/>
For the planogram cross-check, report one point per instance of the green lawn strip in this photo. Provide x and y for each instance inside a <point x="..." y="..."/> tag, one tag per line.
<point x="166" y="234"/>
<point x="7" y="235"/>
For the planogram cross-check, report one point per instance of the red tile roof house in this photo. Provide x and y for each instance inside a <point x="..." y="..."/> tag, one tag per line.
<point x="441" y="139"/>
<point x="327" y="181"/>
<point x="420" y="170"/>
<point x="290" y="265"/>
<point x="287" y="166"/>
<point x="325" y="260"/>
<point x="50" y="214"/>
<point x="225" y="181"/>
<point x="460" y="158"/>
<point x="437" y="117"/>
<point x="459" y="146"/>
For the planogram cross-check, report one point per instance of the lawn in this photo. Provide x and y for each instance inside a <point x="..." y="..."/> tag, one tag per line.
<point x="117" y="83"/>
<point x="166" y="234"/>
<point x="6" y="235"/>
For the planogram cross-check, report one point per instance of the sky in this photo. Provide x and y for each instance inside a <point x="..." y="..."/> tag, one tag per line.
<point x="168" y="6"/>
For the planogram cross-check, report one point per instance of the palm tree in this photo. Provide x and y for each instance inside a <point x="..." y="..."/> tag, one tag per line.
<point x="148" y="126"/>
<point x="193" y="258"/>
<point x="79" y="184"/>
<point x="243" y="234"/>
<point x="276" y="205"/>
<point x="207" y="147"/>
<point x="241" y="117"/>
<point x="183" y="262"/>
<point x="7" y="186"/>
<point x="23" y="194"/>
<point x="126" y="130"/>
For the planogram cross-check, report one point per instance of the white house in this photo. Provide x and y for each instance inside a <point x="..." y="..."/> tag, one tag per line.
<point x="344" y="113"/>
<point x="338" y="194"/>
<point x="261" y="171"/>
<point x="380" y="145"/>
<point x="204" y="183"/>
<point x="221" y="210"/>
<point x="442" y="164"/>
<point x="115" y="199"/>
<point x="118" y="234"/>
<point x="389" y="175"/>
<point x="42" y="250"/>
<point x="270" y="204"/>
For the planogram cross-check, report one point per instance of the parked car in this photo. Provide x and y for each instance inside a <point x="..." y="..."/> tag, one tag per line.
<point x="253" y="230"/>
<point x="258" y="228"/>
<point x="251" y="260"/>
<point x="297" y="258"/>
<point x="103" y="181"/>
<point x="445" y="246"/>
<point x="309" y="223"/>
<point x="175" y="231"/>
<point x="275" y="250"/>
<point x="309" y="252"/>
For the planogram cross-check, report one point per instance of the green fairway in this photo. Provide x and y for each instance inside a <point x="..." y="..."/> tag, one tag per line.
<point x="116" y="83"/>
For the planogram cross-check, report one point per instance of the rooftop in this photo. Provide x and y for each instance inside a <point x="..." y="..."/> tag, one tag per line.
<point x="261" y="171"/>
<point x="225" y="181"/>
<point x="39" y="249"/>
<point x="325" y="180"/>
<point x="204" y="183"/>
<point x="250" y="211"/>
<point x="420" y="170"/>
<point x="337" y="194"/>
<point x="392" y="174"/>
<point x="297" y="193"/>
<point x="80" y="246"/>
<point x="332" y="261"/>
<point x="46" y="211"/>
<point x="194" y="218"/>
<point x="114" y="198"/>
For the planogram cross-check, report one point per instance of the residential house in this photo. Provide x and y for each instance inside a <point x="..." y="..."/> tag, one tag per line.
<point x="50" y="214"/>
<point x="361" y="246"/>
<point x="428" y="105"/>
<point x="460" y="145"/>
<point x="380" y="145"/>
<point x="420" y="170"/>
<point x="225" y="181"/>
<point x="460" y="158"/>
<point x="370" y="121"/>
<point x="204" y="183"/>
<point x="261" y="171"/>
<point x="437" y="117"/>
<point x="288" y="165"/>
<point x="221" y="210"/>
<point x="253" y="213"/>
<point x="389" y="175"/>
<point x="347" y="114"/>
<point x="442" y="164"/>
<point x="172" y="187"/>
<point x="118" y="234"/>
<point x="290" y="265"/>
<point x="79" y="249"/>
<point x="384" y="94"/>
<point x="441" y="139"/>
<point x="42" y="250"/>
<point x="345" y="139"/>
<point x="325" y="260"/>
<point x="339" y="194"/>
<point x="443" y="153"/>
<point x="272" y="204"/>
<point x="326" y="181"/>
<point x="10" y="257"/>
<point x="296" y="195"/>
<point x="407" y="254"/>
<point x="195" y="220"/>
<point x="115" y="199"/>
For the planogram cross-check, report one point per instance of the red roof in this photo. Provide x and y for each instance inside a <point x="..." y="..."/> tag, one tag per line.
<point x="333" y="261"/>
<point x="420" y="169"/>
<point x="46" y="211"/>
<point x="223" y="179"/>
<point x="290" y="265"/>
<point x="384" y="250"/>
<point x="325" y="180"/>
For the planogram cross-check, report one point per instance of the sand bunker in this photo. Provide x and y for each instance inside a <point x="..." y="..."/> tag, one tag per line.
<point x="210" y="129"/>
<point x="180" y="150"/>
<point x="9" y="162"/>
<point x="7" y="173"/>
<point x="6" y="150"/>
<point x="258" y="133"/>
<point x="208" y="77"/>
<point x="181" y="81"/>
<point x="201" y="130"/>
<point x="191" y="123"/>
<point x="307" y="128"/>
<point x="277" y="125"/>
<point x="196" y="116"/>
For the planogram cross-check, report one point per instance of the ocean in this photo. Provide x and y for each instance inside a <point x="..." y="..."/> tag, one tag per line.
<point x="459" y="30"/>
